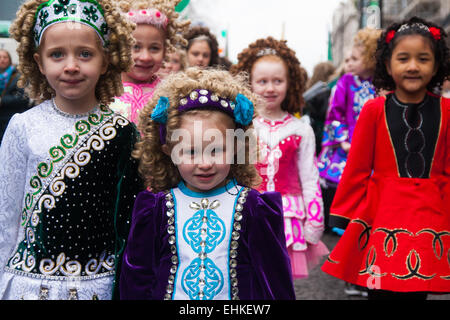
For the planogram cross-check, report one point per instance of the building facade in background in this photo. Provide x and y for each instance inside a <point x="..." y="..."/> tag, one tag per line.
<point x="347" y="19"/>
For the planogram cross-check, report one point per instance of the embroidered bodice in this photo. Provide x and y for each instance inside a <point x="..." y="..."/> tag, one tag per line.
<point x="134" y="98"/>
<point x="58" y="174"/>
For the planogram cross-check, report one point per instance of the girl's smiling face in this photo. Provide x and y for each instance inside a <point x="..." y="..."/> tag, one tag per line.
<point x="201" y="161"/>
<point x="148" y="54"/>
<point x="412" y="66"/>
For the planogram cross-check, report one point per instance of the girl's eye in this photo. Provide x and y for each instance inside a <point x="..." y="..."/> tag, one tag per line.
<point x="85" y="54"/>
<point x="136" y="47"/>
<point x="56" y="54"/>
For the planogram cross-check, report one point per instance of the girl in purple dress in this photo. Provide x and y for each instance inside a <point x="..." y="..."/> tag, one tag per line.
<point x="202" y="232"/>
<point x="351" y="92"/>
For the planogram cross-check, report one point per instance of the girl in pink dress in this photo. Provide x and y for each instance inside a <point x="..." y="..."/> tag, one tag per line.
<point x="156" y="34"/>
<point x="288" y="163"/>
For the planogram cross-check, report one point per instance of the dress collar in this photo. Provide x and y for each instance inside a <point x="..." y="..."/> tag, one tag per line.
<point x="211" y="193"/>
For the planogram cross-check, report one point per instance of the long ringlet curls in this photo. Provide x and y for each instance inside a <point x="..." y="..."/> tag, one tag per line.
<point x="436" y="37"/>
<point x="155" y="166"/>
<point x="118" y="52"/>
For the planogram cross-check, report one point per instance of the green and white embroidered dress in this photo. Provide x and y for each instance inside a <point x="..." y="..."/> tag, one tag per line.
<point x="67" y="187"/>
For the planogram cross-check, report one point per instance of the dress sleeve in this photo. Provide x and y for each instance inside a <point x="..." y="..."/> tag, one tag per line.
<point x="447" y="156"/>
<point x="13" y="162"/>
<point x="311" y="192"/>
<point x="353" y="186"/>
<point x="267" y="246"/>
<point x="137" y="278"/>
<point x="128" y="186"/>
<point x="336" y="126"/>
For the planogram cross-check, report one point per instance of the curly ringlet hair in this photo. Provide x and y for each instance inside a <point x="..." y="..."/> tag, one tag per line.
<point x="175" y="26"/>
<point x="296" y="76"/>
<point x="196" y="31"/>
<point x="367" y="39"/>
<point x="382" y="79"/>
<point x="155" y="166"/>
<point x="118" y="52"/>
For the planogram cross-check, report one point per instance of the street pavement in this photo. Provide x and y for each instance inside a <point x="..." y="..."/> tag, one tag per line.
<point x="321" y="286"/>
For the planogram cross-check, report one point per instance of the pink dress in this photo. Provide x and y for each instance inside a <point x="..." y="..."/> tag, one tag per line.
<point x="288" y="165"/>
<point x="134" y="98"/>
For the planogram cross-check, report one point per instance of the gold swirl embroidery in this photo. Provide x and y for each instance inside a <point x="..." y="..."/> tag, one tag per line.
<point x="413" y="269"/>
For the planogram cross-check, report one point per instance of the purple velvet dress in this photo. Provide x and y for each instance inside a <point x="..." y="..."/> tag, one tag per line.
<point x="349" y="97"/>
<point x="227" y="243"/>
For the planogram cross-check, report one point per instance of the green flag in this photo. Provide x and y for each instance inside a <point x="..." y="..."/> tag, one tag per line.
<point x="181" y="5"/>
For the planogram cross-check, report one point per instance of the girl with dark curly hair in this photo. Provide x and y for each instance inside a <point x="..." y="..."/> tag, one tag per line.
<point x="67" y="179"/>
<point x="202" y="48"/>
<point x="394" y="194"/>
<point x="288" y="161"/>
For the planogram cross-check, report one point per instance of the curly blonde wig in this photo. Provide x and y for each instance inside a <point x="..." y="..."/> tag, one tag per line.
<point x="296" y="76"/>
<point x="175" y="26"/>
<point x="367" y="39"/>
<point x="118" y="53"/>
<point x="155" y="166"/>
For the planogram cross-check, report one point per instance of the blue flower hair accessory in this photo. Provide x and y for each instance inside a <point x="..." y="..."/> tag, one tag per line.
<point x="159" y="113"/>
<point x="243" y="111"/>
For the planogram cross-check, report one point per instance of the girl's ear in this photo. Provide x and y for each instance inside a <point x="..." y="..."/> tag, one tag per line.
<point x="387" y="63"/>
<point x="37" y="59"/>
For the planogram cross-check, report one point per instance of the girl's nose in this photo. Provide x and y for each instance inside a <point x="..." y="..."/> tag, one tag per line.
<point x="145" y="55"/>
<point x="71" y="65"/>
<point x="413" y="65"/>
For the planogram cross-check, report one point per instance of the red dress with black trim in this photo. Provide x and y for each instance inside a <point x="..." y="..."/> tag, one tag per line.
<point x="394" y="198"/>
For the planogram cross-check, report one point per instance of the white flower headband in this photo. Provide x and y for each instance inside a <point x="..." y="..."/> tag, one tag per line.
<point x="148" y="16"/>
<point x="87" y="12"/>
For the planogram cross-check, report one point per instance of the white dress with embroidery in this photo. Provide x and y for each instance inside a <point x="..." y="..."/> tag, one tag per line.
<point x="289" y="165"/>
<point x="57" y="202"/>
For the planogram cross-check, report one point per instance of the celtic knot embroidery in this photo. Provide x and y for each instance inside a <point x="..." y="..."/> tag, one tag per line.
<point x="370" y="264"/>
<point x="391" y="236"/>
<point x="204" y="231"/>
<point x="365" y="232"/>
<point x="413" y="269"/>
<point x="437" y="239"/>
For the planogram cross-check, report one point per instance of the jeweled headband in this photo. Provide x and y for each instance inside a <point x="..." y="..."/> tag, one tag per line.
<point x="241" y="110"/>
<point x="435" y="32"/>
<point x="148" y="16"/>
<point x="87" y="12"/>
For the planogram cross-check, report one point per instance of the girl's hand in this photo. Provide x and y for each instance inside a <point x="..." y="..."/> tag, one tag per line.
<point x="345" y="146"/>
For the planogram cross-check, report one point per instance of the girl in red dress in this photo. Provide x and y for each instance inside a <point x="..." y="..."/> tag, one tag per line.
<point x="394" y="194"/>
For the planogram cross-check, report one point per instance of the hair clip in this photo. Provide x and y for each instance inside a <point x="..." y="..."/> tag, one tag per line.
<point x="435" y="32"/>
<point x="266" y="52"/>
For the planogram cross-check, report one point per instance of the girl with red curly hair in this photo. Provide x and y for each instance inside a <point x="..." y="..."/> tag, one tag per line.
<point x="288" y="162"/>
